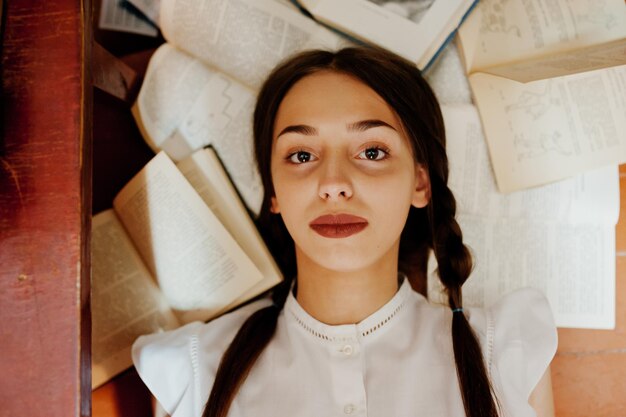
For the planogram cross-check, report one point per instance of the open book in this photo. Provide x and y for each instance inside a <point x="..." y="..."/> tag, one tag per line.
<point x="549" y="80"/>
<point x="559" y="238"/>
<point x="416" y="30"/>
<point x="177" y="246"/>
<point x="200" y="87"/>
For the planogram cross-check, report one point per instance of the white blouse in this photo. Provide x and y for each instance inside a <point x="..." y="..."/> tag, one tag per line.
<point x="397" y="362"/>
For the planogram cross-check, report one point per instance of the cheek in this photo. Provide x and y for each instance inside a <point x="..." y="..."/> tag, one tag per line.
<point x="392" y="198"/>
<point x="289" y="196"/>
<point x="396" y="185"/>
<point x="289" y="182"/>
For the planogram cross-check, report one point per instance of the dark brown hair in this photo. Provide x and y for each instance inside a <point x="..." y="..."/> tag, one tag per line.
<point x="434" y="227"/>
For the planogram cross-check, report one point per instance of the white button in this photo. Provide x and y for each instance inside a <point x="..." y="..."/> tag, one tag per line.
<point x="348" y="409"/>
<point x="347" y="350"/>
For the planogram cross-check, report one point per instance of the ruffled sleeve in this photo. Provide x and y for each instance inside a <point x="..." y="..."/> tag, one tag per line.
<point x="521" y="342"/>
<point x="164" y="363"/>
<point x="178" y="366"/>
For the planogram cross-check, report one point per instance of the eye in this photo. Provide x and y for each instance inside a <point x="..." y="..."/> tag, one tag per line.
<point x="373" y="153"/>
<point x="300" y="157"/>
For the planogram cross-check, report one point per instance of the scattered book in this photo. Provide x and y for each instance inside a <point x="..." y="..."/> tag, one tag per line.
<point x="549" y="80"/>
<point x="148" y="8"/>
<point x="119" y="15"/>
<point x="418" y="35"/>
<point x="178" y="246"/>
<point x="200" y="86"/>
<point x="558" y="238"/>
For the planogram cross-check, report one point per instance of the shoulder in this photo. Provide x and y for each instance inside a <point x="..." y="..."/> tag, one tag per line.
<point x="522" y="318"/>
<point x="168" y="362"/>
<point x="519" y="341"/>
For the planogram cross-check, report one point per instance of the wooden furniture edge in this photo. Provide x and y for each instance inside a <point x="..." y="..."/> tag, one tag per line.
<point x="45" y="209"/>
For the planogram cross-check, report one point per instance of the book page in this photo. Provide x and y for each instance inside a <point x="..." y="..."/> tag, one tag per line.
<point x="590" y="58"/>
<point x="503" y="31"/>
<point x="573" y="265"/>
<point x="558" y="238"/>
<point x="197" y="264"/>
<point x="591" y="197"/>
<point x="243" y="38"/>
<point x="416" y="41"/>
<point x="115" y="15"/>
<point x="206" y="175"/>
<point x="125" y="301"/>
<point x="185" y="105"/>
<point x="149" y="8"/>
<point x="548" y="130"/>
<point x="447" y="78"/>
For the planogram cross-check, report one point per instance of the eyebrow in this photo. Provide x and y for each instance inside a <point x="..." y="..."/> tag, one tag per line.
<point x="301" y="129"/>
<point x="363" y="125"/>
<point x="359" y="126"/>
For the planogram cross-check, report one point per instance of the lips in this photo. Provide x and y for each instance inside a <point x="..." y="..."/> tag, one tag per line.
<point x="338" y="225"/>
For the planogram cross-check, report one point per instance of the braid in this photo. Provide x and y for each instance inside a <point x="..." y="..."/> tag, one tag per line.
<point x="453" y="258"/>
<point x="251" y="339"/>
<point x="257" y="331"/>
<point x="454" y="266"/>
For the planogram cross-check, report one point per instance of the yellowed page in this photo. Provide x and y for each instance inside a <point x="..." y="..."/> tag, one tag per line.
<point x="573" y="265"/>
<point x="559" y="238"/>
<point x="498" y="32"/>
<point x="197" y="264"/>
<point x="185" y="105"/>
<point x="416" y="41"/>
<point x="544" y="131"/>
<point x="206" y="175"/>
<point x="243" y="38"/>
<point x="590" y="197"/>
<point x="125" y="300"/>
<point x="590" y="58"/>
<point x="171" y="85"/>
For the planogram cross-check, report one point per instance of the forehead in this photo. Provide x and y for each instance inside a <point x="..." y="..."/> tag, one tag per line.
<point x="328" y="97"/>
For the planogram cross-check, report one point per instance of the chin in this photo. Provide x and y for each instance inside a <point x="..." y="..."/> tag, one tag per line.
<point x="343" y="259"/>
<point x="345" y="266"/>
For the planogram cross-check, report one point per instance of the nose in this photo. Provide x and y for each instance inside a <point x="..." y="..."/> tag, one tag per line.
<point x="334" y="184"/>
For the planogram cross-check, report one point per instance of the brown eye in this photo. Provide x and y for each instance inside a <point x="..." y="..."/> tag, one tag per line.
<point x="373" y="154"/>
<point x="301" y="157"/>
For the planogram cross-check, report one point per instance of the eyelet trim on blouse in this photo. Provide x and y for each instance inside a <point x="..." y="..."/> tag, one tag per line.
<point x="383" y="322"/>
<point x="195" y="364"/>
<point x="302" y="322"/>
<point x="490" y="335"/>
<point x="313" y="332"/>
<point x="338" y="339"/>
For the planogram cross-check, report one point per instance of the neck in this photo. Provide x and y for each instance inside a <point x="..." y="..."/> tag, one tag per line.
<point x="345" y="297"/>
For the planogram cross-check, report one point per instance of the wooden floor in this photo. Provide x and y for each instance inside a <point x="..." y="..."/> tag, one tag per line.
<point x="589" y="371"/>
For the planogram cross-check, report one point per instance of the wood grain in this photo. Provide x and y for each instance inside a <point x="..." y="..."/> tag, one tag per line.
<point x="44" y="210"/>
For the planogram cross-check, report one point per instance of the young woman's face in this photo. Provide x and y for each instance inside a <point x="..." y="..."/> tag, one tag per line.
<point x="343" y="173"/>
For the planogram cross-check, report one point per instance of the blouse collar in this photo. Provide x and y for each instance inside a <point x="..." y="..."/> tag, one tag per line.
<point x="370" y="325"/>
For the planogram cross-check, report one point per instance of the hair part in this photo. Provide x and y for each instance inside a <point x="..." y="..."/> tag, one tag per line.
<point x="434" y="227"/>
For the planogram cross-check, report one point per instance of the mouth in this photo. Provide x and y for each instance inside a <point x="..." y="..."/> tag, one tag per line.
<point x="338" y="225"/>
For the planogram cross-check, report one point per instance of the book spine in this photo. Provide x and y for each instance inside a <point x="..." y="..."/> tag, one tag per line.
<point x="449" y="38"/>
<point x="344" y="35"/>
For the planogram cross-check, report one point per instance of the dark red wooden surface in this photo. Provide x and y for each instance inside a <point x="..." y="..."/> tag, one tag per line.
<point x="45" y="206"/>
